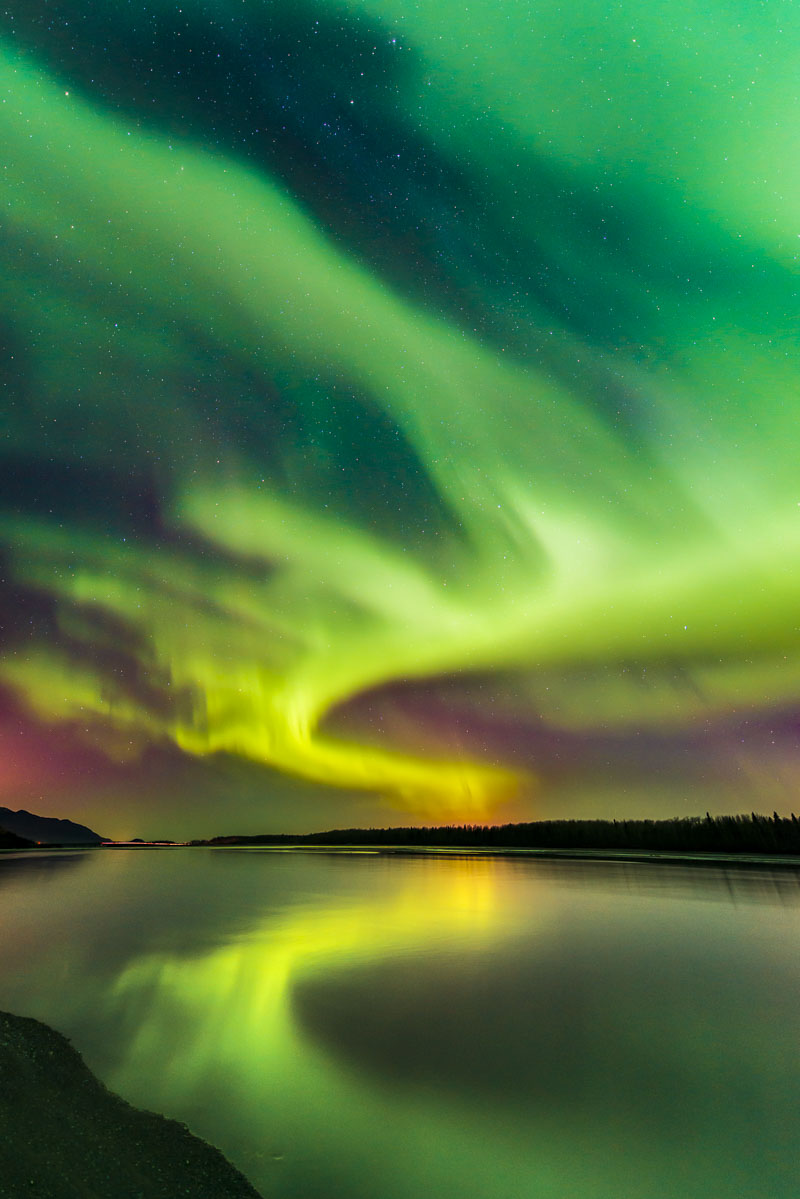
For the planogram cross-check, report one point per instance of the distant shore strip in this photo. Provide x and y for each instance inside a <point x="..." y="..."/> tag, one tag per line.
<point x="751" y="838"/>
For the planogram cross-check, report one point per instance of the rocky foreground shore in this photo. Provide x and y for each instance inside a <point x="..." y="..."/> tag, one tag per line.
<point x="64" y="1136"/>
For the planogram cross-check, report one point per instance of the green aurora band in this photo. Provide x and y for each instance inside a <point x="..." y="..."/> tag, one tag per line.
<point x="507" y="390"/>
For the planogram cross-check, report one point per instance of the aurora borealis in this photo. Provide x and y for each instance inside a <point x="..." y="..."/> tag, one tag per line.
<point x="401" y="401"/>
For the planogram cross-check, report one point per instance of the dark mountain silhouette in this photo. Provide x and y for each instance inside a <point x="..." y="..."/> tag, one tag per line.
<point x="47" y="830"/>
<point x="12" y="841"/>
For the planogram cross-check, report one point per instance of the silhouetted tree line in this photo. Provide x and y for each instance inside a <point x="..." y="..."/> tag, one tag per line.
<point x="744" y="834"/>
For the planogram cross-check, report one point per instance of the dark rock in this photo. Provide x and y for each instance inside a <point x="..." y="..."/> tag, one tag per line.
<point x="64" y="1136"/>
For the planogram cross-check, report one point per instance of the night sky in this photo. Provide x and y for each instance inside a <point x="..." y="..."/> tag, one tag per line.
<point x="399" y="412"/>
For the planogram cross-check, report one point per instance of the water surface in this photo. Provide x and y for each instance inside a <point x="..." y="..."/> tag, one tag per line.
<point x="380" y="1027"/>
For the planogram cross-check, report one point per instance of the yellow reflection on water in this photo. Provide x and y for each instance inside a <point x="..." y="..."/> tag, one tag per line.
<point x="625" y="1008"/>
<point x="242" y="987"/>
<point x="222" y="1020"/>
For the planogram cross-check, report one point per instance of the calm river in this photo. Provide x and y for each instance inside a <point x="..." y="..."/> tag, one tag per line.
<point x="359" y="1026"/>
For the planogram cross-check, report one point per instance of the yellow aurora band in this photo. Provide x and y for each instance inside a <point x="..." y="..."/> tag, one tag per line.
<point x="366" y="474"/>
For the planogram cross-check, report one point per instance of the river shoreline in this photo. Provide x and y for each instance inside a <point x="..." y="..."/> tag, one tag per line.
<point x="663" y="857"/>
<point x="63" y="1135"/>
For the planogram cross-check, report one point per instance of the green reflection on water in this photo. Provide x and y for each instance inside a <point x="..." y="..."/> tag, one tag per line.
<point x="339" y="1025"/>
